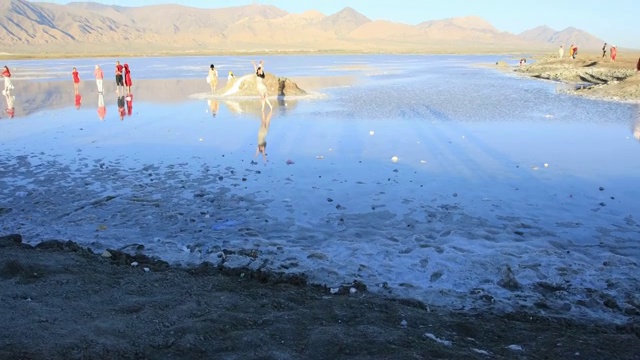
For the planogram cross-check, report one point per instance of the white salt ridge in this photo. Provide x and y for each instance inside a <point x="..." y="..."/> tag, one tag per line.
<point x="438" y="340"/>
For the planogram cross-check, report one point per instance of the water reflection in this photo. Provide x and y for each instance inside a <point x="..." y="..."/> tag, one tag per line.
<point x="78" y="101"/>
<point x="129" y="100"/>
<point x="262" y="134"/>
<point x="214" y="106"/>
<point x="636" y="125"/>
<point x="10" y="101"/>
<point x="121" y="110"/>
<point x="102" y="109"/>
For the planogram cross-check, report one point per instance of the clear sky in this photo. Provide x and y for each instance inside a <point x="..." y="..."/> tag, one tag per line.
<point x="611" y="20"/>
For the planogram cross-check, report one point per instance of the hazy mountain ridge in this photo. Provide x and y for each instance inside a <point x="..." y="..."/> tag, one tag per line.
<point x="86" y="26"/>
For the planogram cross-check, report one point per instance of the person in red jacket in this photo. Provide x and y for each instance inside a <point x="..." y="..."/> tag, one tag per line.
<point x="8" y="85"/>
<point x="613" y="50"/>
<point x="119" y="81"/>
<point x="127" y="78"/>
<point x="76" y="81"/>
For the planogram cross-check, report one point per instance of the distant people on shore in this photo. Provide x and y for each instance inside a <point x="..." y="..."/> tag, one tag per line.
<point x="212" y="78"/>
<point x="604" y="50"/>
<point x="230" y="77"/>
<point x="613" y="52"/>
<point x="119" y="79"/>
<point x="102" y="109"/>
<point x="574" y="52"/>
<point x="99" y="75"/>
<point x="127" y="78"/>
<point x="561" y="52"/>
<point x="262" y="88"/>
<point x="523" y="62"/>
<point x="6" y="74"/>
<point x="76" y="81"/>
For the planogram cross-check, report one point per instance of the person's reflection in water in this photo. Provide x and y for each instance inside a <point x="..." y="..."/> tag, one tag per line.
<point x="78" y="101"/>
<point x="10" y="99"/>
<point x="636" y="125"/>
<point x="129" y="99"/>
<point x="214" y="106"/>
<point x="121" y="106"/>
<point x="262" y="134"/>
<point x="102" y="109"/>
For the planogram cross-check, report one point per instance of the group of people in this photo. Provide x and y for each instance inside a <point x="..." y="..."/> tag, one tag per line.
<point x="573" y="52"/>
<point x="613" y="51"/>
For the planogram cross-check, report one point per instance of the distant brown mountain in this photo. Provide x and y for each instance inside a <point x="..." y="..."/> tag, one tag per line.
<point x="546" y="35"/>
<point x="93" y="28"/>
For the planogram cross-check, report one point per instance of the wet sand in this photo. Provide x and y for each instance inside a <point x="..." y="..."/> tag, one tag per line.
<point x="61" y="301"/>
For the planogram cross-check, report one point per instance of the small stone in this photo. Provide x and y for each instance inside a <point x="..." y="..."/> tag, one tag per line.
<point x="329" y="199"/>
<point x="134" y="264"/>
<point x="146" y="269"/>
<point x="601" y="188"/>
<point x="352" y="291"/>
<point x="403" y="323"/>
<point x="106" y="254"/>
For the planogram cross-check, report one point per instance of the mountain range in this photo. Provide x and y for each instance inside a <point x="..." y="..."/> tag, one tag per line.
<point x="93" y="28"/>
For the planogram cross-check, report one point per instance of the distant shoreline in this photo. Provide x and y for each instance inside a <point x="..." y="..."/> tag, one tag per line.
<point x="180" y="53"/>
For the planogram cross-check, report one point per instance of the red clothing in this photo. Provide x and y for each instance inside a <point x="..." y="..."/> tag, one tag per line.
<point x="6" y="73"/>
<point x="118" y="69"/>
<point x="614" y="53"/>
<point x="127" y="75"/>
<point x="129" y="105"/>
<point x="76" y="77"/>
<point x="102" y="112"/>
<point x="78" y="101"/>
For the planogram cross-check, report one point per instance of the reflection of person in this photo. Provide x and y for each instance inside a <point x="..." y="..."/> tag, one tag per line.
<point x="214" y="106"/>
<point x="636" y="126"/>
<point x="127" y="78"/>
<point x="121" y="106"/>
<point x="129" y="99"/>
<point x="561" y="52"/>
<point x="102" y="109"/>
<point x="8" y="85"/>
<point x="99" y="74"/>
<point x="10" y="99"/>
<point x="76" y="80"/>
<point x="78" y="101"/>
<point x="119" y="80"/>
<point x="262" y="134"/>
<point x="213" y="78"/>
<point x="262" y="89"/>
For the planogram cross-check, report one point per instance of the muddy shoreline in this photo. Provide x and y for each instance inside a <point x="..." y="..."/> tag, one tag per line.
<point x="592" y="76"/>
<point x="63" y="301"/>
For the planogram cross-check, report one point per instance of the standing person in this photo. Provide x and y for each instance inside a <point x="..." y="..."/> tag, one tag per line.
<point x="213" y="78"/>
<point x="638" y="66"/>
<point x="613" y="51"/>
<point x="76" y="81"/>
<point x="575" y="51"/>
<point x="119" y="80"/>
<point x="571" y="51"/>
<point x="230" y="77"/>
<point x="262" y="89"/>
<point x="127" y="78"/>
<point x="604" y="50"/>
<point x="8" y="85"/>
<point x="99" y="74"/>
<point x="102" y="109"/>
<point x="561" y="52"/>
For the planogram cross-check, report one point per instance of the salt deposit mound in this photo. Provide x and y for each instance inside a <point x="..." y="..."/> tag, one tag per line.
<point x="276" y="86"/>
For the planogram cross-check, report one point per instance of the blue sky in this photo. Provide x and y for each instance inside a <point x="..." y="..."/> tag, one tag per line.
<point x="612" y="20"/>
